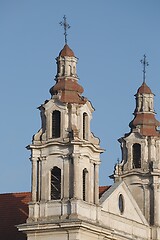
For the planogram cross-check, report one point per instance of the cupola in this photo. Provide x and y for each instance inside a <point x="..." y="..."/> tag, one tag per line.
<point x="67" y="88"/>
<point x="144" y="113"/>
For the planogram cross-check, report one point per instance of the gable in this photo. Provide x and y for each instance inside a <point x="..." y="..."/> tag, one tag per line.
<point x="111" y="203"/>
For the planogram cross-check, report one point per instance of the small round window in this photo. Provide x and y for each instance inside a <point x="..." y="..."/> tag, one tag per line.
<point x="121" y="203"/>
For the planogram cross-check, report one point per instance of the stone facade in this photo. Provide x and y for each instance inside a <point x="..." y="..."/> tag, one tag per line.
<point x="65" y="158"/>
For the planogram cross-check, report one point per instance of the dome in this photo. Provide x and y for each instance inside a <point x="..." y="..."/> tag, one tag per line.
<point x="66" y="52"/>
<point x="144" y="89"/>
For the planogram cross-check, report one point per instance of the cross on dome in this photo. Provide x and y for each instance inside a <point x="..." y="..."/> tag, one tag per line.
<point x="145" y="64"/>
<point x="66" y="26"/>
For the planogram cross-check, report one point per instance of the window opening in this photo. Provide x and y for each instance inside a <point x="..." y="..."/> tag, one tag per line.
<point x="70" y="70"/>
<point x="85" y="122"/>
<point x="63" y="70"/>
<point x="84" y="183"/>
<point x="55" y="183"/>
<point x="136" y="155"/>
<point x="121" y="203"/>
<point x="56" y="122"/>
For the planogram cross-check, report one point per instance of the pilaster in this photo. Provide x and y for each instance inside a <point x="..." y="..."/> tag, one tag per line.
<point x="156" y="200"/>
<point x="76" y="176"/>
<point x="34" y="179"/>
<point x="96" y="183"/>
<point x="66" y="177"/>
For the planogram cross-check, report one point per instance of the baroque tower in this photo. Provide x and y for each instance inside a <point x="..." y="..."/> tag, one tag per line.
<point x="65" y="157"/>
<point x="140" y="165"/>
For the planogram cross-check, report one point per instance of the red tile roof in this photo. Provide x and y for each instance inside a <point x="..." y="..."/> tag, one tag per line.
<point x="13" y="211"/>
<point x="144" y="89"/>
<point x="70" y="91"/>
<point x="103" y="189"/>
<point x="66" y="52"/>
<point x="147" y="122"/>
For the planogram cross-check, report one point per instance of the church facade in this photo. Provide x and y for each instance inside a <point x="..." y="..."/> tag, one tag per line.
<point x="65" y="156"/>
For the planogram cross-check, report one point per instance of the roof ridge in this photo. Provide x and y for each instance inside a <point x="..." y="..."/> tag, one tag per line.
<point x="15" y="193"/>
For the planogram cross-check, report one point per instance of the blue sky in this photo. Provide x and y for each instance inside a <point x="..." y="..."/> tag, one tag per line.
<point x="108" y="36"/>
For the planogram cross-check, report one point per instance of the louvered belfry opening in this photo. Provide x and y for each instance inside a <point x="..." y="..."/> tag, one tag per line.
<point x="56" y="124"/>
<point x="56" y="183"/>
<point x="136" y="155"/>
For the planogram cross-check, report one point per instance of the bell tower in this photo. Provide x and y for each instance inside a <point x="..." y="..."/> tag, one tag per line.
<point x="65" y="155"/>
<point x="140" y="165"/>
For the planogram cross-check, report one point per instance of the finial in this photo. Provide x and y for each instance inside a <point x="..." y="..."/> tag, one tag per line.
<point x="145" y="64"/>
<point x="66" y="26"/>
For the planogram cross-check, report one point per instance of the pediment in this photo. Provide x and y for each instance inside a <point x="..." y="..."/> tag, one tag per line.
<point x="54" y="104"/>
<point x="132" y="137"/>
<point x="110" y="203"/>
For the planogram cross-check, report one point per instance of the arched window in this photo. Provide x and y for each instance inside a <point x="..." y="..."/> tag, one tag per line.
<point x="85" y="172"/>
<point x="136" y="155"/>
<point x="56" y="124"/>
<point x="55" y="183"/>
<point x="85" y="125"/>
